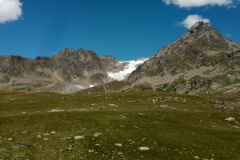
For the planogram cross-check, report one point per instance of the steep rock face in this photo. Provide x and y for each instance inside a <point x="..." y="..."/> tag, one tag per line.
<point x="16" y="65"/>
<point x="108" y="62"/>
<point x="200" y="61"/>
<point x="72" y="64"/>
<point x="194" y="48"/>
<point x="68" y="63"/>
<point x="68" y="71"/>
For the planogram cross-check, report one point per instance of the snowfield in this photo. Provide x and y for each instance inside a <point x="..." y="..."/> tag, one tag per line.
<point x="129" y="68"/>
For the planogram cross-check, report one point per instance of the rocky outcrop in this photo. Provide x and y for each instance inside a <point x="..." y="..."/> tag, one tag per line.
<point x="194" y="48"/>
<point x="69" y="70"/>
<point x="71" y="64"/>
<point x="196" y="61"/>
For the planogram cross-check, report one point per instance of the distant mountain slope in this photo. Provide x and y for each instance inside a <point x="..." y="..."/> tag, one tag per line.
<point x="68" y="71"/>
<point x="200" y="60"/>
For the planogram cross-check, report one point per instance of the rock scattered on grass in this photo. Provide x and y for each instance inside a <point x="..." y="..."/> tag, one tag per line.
<point x="144" y="148"/>
<point x="56" y="110"/>
<point x="141" y="114"/>
<point x="163" y="106"/>
<point x="118" y="144"/>
<point x="45" y="139"/>
<point x="122" y="116"/>
<point x="230" y="119"/>
<point x="78" y="137"/>
<point x="10" y="139"/>
<point x="237" y="127"/>
<point x="21" y="145"/>
<point x="97" y="134"/>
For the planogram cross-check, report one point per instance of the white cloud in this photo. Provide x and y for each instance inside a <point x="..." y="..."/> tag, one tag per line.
<point x="198" y="3"/>
<point x="10" y="10"/>
<point x="192" y="19"/>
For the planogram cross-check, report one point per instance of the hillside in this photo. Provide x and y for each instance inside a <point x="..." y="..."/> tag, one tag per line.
<point x="200" y="61"/>
<point x="134" y="125"/>
<point x="67" y="72"/>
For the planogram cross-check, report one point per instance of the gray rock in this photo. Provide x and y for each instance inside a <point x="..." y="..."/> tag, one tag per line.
<point x="20" y="145"/>
<point x="230" y="119"/>
<point x="144" y="148"/>
<point x="97" y="135"/>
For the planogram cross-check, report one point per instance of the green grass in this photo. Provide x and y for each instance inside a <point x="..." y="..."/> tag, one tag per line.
<point x="162" y="74"/>
<point x="114" y="86"/>
<point x="173" y="72"/>
<point x="190" y="126"/>
<point x="29" y="87"/>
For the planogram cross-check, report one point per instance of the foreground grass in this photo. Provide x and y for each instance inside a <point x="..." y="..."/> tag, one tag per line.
<point x="115" y="125"/>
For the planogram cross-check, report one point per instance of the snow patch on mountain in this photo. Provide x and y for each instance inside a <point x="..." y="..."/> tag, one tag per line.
<point x="129" y="68"/>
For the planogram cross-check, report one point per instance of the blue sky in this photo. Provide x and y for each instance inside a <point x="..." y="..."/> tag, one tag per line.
<point x="125" y="29"/>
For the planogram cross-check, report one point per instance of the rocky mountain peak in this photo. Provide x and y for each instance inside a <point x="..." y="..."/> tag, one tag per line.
<point x="201" y="36"/>
<point x="200" y="26"/>
<point x="71" y="53"/>
<point x="201" y="29"/>
<point x="194" y="48"/>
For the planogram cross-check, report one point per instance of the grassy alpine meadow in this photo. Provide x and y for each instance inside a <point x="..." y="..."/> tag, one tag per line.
<point x="131" y="126"/>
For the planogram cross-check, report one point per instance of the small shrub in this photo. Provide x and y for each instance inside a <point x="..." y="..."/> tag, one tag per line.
<point x="173" y="72"/>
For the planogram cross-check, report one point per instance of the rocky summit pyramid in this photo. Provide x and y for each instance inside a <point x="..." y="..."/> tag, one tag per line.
<point x="200" y="60"/>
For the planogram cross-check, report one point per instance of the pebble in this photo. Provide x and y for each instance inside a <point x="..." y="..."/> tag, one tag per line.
<point x="78" y="137"/>
<point x="118" y="144"/>
<point x="230" y="119"/>
<point x="21" y="145"/>
<point x="46" y="134"/>
<point x="196" y="157"/>
<point x="163" y="106"/>
<point x="144" y="148"/>
<point x="235" y="127"/>
<point x="97" y="135"/>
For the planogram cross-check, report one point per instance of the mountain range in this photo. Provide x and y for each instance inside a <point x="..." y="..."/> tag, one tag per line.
<point x="200" y="61"/>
